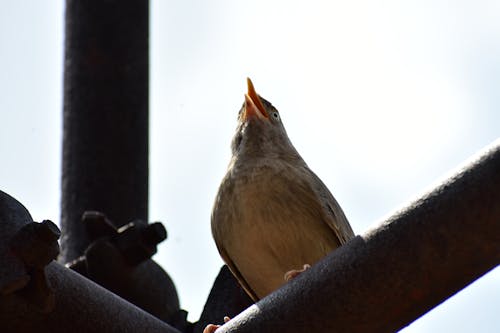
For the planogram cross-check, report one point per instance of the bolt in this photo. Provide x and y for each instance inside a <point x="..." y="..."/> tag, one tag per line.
<point x="97" y="225"/>
<point x="36" y="243"/>
<point x="154" y="234"/>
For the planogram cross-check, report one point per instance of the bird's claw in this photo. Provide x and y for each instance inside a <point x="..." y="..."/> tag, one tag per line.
<point x="211" y="328"/>
<point x="295" y="272"/>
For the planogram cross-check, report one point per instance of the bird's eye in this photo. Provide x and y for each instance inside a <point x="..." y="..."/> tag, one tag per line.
<point x="275" y="115"/>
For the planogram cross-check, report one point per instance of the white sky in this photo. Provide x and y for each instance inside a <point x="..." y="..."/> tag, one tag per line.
<point x="382" y="99"/>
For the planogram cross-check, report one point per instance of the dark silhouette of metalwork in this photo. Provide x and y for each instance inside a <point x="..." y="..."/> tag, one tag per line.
<point x="119" y="260"/>
<point x="378" y="282"/>
<point x="106" y="94"/>
<point x="381" y="281"/>
<point x="105" y="155"/>
<point x="38" y="294"/>
<point x="226" y="298"/>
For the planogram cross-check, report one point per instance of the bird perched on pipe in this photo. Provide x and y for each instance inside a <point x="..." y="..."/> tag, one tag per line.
<point x="272" y="216"/>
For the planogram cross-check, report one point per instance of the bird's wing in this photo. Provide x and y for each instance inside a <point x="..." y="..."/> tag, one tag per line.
<point x="331" y="212"/>
<point x="236" y="273"/>
<point x="221" y="220"/>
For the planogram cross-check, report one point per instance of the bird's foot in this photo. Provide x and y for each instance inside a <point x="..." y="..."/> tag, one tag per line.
<point x="211" y="328"/>
<point x="295" y="272"/>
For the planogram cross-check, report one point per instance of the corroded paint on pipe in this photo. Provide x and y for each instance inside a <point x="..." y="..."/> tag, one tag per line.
<point x="80" y="306"/>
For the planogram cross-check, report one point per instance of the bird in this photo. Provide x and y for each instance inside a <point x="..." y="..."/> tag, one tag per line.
<point x="272" y="216"/>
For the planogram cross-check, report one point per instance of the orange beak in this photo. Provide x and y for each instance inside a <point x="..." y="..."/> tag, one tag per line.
<point x="253" y="104"/>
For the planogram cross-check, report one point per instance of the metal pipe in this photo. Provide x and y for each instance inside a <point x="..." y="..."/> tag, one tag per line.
<point x="387" y="278"/>
<point x="53" y="298"/>
<point x="105" y="153"/>
<point x="105" y="144"/>
<point x="226" y="298"/>
<point x="80" y="306"/>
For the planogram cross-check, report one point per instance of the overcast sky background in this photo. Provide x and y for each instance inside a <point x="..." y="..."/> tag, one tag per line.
<point x="382" y="99"/>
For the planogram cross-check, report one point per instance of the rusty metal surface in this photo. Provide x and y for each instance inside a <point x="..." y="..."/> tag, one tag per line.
<point x="105" y="154"/>
<point x="226" y="298"/>
<point x="136" y="241"/>
<point x="138" y="284"/>
<point x="13" y="272"/>
<point x="105" y="137"/>
<point x="80" y="306"/>
<point x="387" y="278"/>
<point x="75" y="304"/>
<point x="35" y="244"/>
<point x="120" y="261"/>
<point x="26" y="248"/>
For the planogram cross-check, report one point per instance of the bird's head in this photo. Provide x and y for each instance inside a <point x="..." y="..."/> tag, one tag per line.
<point x="260" y="131"/>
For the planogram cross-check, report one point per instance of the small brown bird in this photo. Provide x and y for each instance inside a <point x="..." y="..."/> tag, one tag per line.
<point x="272" y="214"/>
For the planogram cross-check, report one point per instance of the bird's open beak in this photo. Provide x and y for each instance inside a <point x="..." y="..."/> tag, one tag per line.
<point x="253" y="104"/>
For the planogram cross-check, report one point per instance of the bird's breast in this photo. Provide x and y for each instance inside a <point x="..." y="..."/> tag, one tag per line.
<point x="274" y="226"/>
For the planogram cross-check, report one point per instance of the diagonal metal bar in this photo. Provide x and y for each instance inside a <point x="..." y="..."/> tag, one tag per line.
<point x="387" y="278"/>
<point x="54" y="299"/>
<point x="80" y="306"/>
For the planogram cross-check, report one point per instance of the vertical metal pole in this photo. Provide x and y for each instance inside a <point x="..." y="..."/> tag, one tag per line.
<point x="105" y="141"/>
